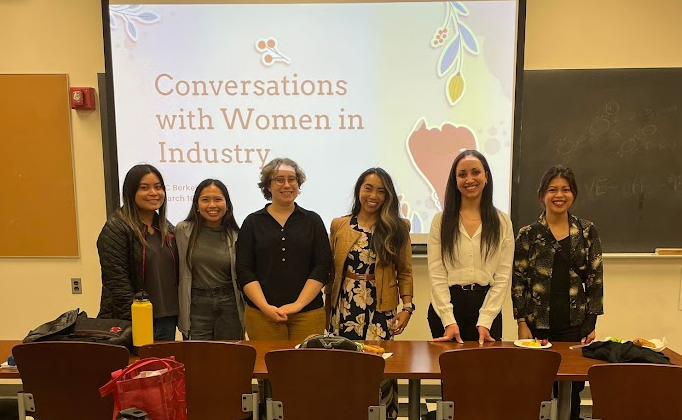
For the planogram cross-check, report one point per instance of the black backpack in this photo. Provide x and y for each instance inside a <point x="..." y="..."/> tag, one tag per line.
<point x="76" y="326"/>
<point x="329" y="341"/>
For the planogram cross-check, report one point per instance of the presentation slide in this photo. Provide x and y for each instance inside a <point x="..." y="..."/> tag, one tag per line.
<point x="218" y="90"/>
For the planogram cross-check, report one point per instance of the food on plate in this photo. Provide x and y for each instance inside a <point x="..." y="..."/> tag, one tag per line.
<point x="641" y="342"/>
<point x="533" y="343"/>
<point x="616" y="340"/>
<point x="368" y="348"/>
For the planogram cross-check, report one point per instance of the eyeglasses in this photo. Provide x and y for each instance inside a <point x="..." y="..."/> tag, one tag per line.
<point x="280" y="180"/>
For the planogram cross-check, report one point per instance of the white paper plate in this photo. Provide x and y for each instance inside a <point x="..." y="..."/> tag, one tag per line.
<point x="522" y="343"/>
<point x="660" y="344"/>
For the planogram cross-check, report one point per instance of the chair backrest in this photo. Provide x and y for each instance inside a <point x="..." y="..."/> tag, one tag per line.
<point x="623" y="391"/>
<point x="490" y="383"/>
<point x="315" y="384"/>
<point x="217" y="374"/>
<point x="64" y="377"/>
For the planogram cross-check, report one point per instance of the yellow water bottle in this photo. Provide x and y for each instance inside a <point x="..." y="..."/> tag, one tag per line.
<point x="143" y="320"/>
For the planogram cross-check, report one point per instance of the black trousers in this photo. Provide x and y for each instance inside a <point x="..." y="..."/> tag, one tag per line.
<point x="466" y="304"/>
<point x="567" y="334"/>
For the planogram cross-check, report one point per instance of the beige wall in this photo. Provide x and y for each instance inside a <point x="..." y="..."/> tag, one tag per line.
<point x="50" y="36"/>
<point x="603" y="33"/>
<point x="641" y="294"/>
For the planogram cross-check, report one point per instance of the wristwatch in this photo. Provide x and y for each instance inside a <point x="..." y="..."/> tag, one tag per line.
<point x="409" y="308"/>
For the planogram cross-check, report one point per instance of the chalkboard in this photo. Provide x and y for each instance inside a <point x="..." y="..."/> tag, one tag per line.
<point x="620" y="130"/>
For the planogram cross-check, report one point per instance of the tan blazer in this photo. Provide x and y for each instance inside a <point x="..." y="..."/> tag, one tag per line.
<point x="392" y="281"/>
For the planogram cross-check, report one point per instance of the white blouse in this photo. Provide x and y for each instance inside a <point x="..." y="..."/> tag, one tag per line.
<point x="470" y="268"/>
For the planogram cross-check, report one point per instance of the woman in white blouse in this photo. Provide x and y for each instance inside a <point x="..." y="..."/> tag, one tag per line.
<point x="470" y="254"/>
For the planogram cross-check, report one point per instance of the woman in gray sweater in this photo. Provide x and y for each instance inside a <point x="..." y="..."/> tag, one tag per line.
<point x="211" y="305"/>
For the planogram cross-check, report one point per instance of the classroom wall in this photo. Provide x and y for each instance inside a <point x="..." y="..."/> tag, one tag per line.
<point x="56" y="36"/>
<point x="64" y="36"/>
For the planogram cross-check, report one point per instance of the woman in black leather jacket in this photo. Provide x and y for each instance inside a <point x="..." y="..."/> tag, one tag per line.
<point x="137" y="252"/>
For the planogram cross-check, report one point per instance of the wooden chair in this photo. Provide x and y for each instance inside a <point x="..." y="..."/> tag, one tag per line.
<point x="494" y="383"/>
<point x="61" y="379"/>
<point x="314" y="384"/>
<point x="217" y="377"/>
<point x="628" y="391"/>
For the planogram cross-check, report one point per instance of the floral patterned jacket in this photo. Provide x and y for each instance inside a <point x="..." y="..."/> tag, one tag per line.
<point x="532" y="273"/>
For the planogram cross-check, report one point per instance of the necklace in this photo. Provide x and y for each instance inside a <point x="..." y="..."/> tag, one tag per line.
<point x="471" y="220"/>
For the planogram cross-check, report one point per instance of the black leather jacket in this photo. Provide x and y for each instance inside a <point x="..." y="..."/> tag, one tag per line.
<point x="121" y="259"/>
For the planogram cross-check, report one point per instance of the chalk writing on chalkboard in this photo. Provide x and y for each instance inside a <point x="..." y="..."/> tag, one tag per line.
<point x="621" y="135"/>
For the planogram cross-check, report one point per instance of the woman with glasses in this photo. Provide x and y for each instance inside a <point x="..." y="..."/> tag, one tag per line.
<point x="283" y="260"/>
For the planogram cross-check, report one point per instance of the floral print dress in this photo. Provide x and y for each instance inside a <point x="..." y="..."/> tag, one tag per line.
<point x="355" y="315"/>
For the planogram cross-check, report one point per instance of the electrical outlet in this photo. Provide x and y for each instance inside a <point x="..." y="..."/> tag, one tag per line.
<point x="76" y="286"/>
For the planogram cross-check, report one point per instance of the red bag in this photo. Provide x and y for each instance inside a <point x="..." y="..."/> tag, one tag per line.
<point x="162" y="395"/>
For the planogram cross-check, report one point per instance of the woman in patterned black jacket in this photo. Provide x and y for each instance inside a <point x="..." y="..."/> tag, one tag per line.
<point x="557" y="281"/>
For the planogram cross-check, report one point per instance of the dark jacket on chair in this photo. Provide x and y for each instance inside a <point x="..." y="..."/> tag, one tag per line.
<point x="623" y="353"/>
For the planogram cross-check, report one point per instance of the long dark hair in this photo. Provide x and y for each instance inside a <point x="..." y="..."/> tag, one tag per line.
<point x="228" y="223"/>
<point x="449" y="231"/>
<point x="129" y="212"/>
<point x="390" y="231"/>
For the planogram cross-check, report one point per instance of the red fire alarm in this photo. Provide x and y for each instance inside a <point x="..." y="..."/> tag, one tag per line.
<point x="82" y="98"/>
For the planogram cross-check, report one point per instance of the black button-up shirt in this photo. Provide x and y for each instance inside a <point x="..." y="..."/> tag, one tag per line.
<point x="283" y="258"/>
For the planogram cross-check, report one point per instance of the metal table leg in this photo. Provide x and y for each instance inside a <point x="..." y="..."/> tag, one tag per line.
<point x="414" y="399"/>
<point x="564" y="400"/>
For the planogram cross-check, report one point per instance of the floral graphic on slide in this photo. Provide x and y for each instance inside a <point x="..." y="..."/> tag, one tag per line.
<point x="456" y="37"/>
<point x="269" y="52"/>
<point x="416" y="221"/>
<point x="131" y="15"/>
<point x="432" y="150"/>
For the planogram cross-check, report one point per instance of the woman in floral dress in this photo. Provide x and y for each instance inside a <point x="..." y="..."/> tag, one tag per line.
<point x="372" y="269"/>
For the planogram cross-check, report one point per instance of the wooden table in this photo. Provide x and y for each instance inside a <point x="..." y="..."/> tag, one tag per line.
<point x="417" y="360"/>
